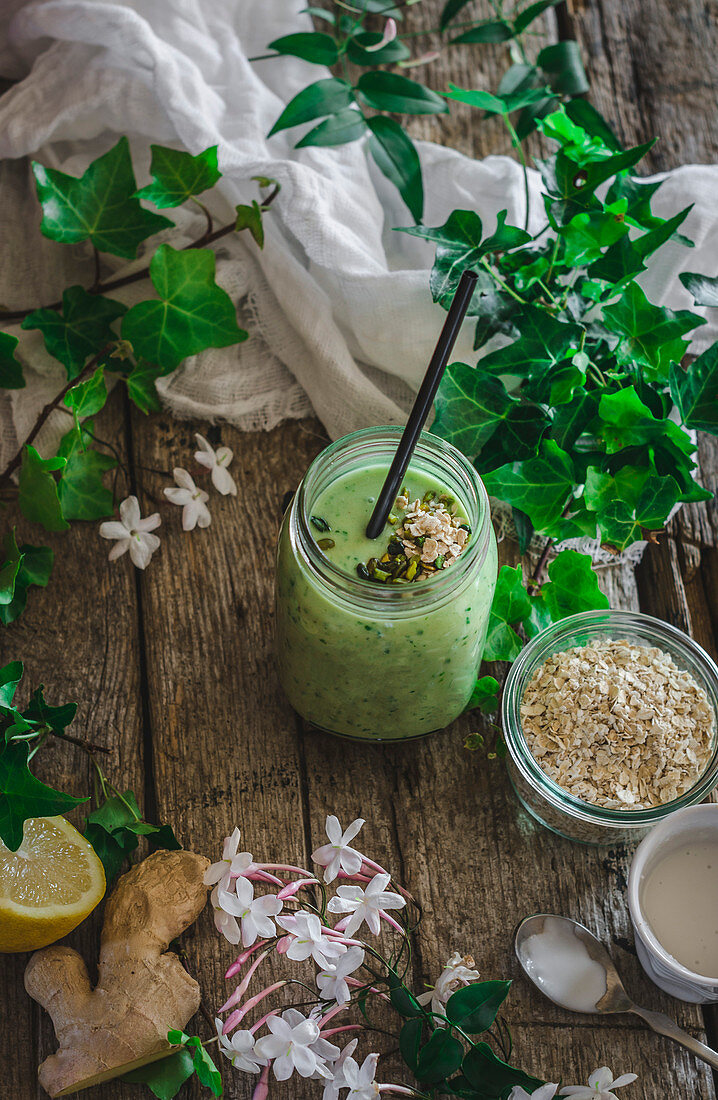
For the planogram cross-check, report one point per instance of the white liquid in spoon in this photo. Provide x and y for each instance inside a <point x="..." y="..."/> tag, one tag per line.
<point x="679" y="898"/>
<point x="561" y="966"/>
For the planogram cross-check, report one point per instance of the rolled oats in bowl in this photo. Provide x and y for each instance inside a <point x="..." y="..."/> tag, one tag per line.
<point x="610" y="723"/>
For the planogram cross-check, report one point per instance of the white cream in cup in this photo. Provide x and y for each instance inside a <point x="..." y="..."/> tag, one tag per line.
<point x="672" y="899"/>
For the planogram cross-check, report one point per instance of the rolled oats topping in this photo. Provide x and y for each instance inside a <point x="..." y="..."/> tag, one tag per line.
<point x="429" y="534"/>
<point x="618" y="725"/>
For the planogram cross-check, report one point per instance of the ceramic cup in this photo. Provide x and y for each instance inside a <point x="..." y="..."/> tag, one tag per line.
<point x="690" y="825"/>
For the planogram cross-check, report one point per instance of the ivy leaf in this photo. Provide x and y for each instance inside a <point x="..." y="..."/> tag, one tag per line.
<point x="321" y="49"/>
<point x="359" y="54"/>
<point x="649" y="334"/>
<point x="439" y="1058"/>
<point x="192" y="312"/>
<point x="484" y="697"/>
<point x="627" y="422"/>
<point x="539" y="486"/>
<point x="338" y="129"/>
<point x="585" y="115"/>
<point x="492" y="30"/>
<point x="11" y="376"/>
<point x="87" y="398"/>
<point x="518" y="439"/>
<point x="142" y="386"/>
<point x="35" y="568"/>
<point x="81" y="490"/>
<point x="629" y="502"/>
<point x="470" y="405"/>
<point x="588" y="233"/>
<point x="572" y="587"/>
<point x="101" y="206"/>
<point x="510" y="606"/>
<point x="38" y="495"/>
<point x="544" y="341"/>
<point x="165" y="1077"/>
<point x="324" y="97"/>
<point x="82" y="328"/>
<point x="250" y="217"/>
<point x="23" y="796"/>
<point x="704" y="288"/>
<point x="498" y="104"/>
<point x="9" y="569"/>
<point x="475" y="1006"/>
<point x="695" y="391"/>
<point x="207" y="1073"/>
<point x="392" y="92"/>
<point x="177" y="175"/>
<point x="39" y="711"/>
<point x="572" y="419"/>
<point x="395" y="155"/>
<point x="10" y="677"/>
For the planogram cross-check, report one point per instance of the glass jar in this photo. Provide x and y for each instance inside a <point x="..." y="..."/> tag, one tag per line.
<point x="382" y="662"/>
<point x="545" y="800"/>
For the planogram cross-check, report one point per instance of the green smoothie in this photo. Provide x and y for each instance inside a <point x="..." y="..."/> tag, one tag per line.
<point x="394" y="659"/>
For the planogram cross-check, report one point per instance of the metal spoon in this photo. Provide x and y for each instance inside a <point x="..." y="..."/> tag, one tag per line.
<point x="615" y="999"/>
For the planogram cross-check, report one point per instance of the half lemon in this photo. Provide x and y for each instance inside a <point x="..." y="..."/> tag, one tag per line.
<point x="48" y="886"/>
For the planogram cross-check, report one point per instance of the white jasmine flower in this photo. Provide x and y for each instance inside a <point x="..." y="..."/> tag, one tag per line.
<point x="224" y="922"/>
<point x="324" y="1050"/>
<point x="216" y="462"/>
<point x="543" y="1092"/>
<point x="337" y="856"/>
<point x="132" y="533"/>
<point x="331" y="1088"/>
<point x="365" y="905"/>
<point x="332" y="980"/>
<point x="308" y="940"/>
<point x="289" y="1044"/>
<point x="600" y="1086"/>
<point x="195" y="512"/>
<point x="232" y="864"/>
<point x="456" y="973"/>
<point x="240" y="1049"/>
<point x="360" y="1079"/>
<point x="254" y="914"/>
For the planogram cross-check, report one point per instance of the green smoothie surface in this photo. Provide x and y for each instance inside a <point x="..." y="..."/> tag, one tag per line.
<point x="426" y="531"/>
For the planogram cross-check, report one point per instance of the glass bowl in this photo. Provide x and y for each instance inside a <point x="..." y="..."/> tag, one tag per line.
<point x="544" y="799"/>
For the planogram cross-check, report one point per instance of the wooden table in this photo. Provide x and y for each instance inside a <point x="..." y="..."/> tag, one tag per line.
<point x="174" y="666"/>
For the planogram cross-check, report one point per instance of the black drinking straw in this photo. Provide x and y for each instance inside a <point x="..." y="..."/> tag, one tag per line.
<point x="424" y="401"/>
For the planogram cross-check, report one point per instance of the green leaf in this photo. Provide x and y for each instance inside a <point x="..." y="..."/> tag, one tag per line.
<point x="81" y="490"/>
<point x="82" y="328"/>
<point x="629" y="502"/>
<point x="588" y="233"/>
<point x="57" y="718"/>
<point x="404" y="1002"/>
<point x="572" y="586"/>
<point x="101" y="206"/>
<point x="475" y="1006"/>
<point x="524" y="529"/>
<point x="485" y="695"/>
<point x="11" y="376"/>
<point x="10" y="677"/>
<point x="192" y="312"/>
<point x="142" y="386"/>
<point x="544" y="342"/>
<point x="165" y="1077"/>
<point x="177" y="175"/>
<point x="627" y="422"/>
<point x="163" y="837"/>
<point x="321" y="49"/>
<point x="491" y="31"/>
<point x="35" y="568"/>
<point x="410" y="1041"/>
<point x="389" y="54"/>
<point x="396" y="157"/>
<point x="38" y="495"/>
<point x="470" y="406"/>
<point x="324" y="97"/>
<point x="87" y="398"/>
<point x="338" y="129"/>
<point x="9" y="569"/>
<point x="439" y="1058"/>
<point x="449" y="12"/>
<point x="511" y="605"/>
<point x="649" y="334"/>
<point x="207" y="1073"/>
<point x="704" y="288"/>
<point x="497" y="104"/>
<point x="563" y="67"/>
<point x="392" y="92"/>
<point x="250" y="217"/>
<point x="23" y="796"/>
<point x="492" y="1077"/>
<point x="540" y="486"/>
<point x="695" y="391"/>
<point x="524" y="18"/>
<point x="585" y="115"/>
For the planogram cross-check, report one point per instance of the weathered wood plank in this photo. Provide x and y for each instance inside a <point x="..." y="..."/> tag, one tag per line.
<point x="79" y="637"/>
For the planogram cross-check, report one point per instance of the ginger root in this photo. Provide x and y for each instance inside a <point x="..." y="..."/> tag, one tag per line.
<point x="141" y="992"/>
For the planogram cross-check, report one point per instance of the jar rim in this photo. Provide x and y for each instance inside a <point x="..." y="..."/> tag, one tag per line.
<point x="398" y="599"/>
<point x="645" y="629"/>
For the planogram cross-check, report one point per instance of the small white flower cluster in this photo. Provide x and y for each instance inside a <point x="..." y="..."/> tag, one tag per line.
<point x="135" y="534"/>
<point x="600" y="1087"/>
